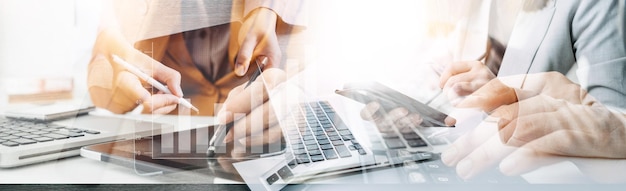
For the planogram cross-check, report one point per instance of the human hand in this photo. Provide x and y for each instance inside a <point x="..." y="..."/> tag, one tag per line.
<point x="554" y="116"/>
<point x="463" y="78"/>
<point x="256" y="37"/>
<point x="400" y="117"/>
<point x="259" y="124"/>
<point x="113" y="88"/>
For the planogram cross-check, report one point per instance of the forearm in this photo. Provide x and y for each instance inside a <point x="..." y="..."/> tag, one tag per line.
<point x="292" y="12"/>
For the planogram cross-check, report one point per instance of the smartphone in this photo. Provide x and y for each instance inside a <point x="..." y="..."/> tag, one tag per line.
<point x="366" y="92"/>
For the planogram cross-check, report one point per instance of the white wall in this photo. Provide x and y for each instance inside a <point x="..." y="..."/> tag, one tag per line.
<point x="43" y="38"/>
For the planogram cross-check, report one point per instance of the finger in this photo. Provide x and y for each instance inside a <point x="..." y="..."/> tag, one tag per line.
<point x="450" y="121"/>
<point x="467" y="88"/>
<point x="388" y="119"/>
<point x="270" y="136"/>
<point x="408" y="123"/>
<point x="243" y="100"/>
<point x="468" y="142"/>
<point x="490" y="96"/>
<point x="268" y="47"/>
<point x="245" y="55"/>
<point x="127" y="93"/>
<point x="537" y="104"/>
<point x="537" y="119"/>
<point x="160" y="104"/>
<point x="483" y="157"/>
<point x="454" y="69"/>
<point x="370" y="110"/>
<point x="396" y="114"/>
<point x="157" y="70"/>
<point x="253" y="124"/>
<point x="525" y="160"/>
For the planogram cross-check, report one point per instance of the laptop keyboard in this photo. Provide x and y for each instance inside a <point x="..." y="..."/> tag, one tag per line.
<point x="14" y="132"/>
<point x="401" y="138"/>
<point x="316" y="133"/>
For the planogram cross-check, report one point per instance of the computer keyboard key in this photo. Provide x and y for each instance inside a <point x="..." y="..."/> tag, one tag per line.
<point x="319" y="133"/>
<point x="39" y="132"/>
<point x="310" y="142"/>
<point x="285" y="173"/>
<point x="308" y="138"/>
<point x="326" y="146"/>
<point x="302" y="158"/>
<point x="312" y="147"/>
<point x="389" y="135"/>
<point x="345" y="132"/>
<point x="272" y="179"/>
<point x="416" y="143"/>
<point x="334" y="138"/>
<point x="10" y="137"/>
<point x="343" y="151"/>
<point x="394" y="144"/>
<point x="320" y="137"/>
<point x="323" y="141"/>
<point x="352" y="148"/>
<point x="317" y="158"/>
<point x="42" y="139"/>
<point x="411" y="136"/>
<point x="292" y="164"/>
<point x="30" y="136"/>
<point x="56" y="136"/>
<point x="10" y="144"/>
<point x="23" y="141"/>
<point x="21" y="134"/>
<point x="315" y="152"/>
<point x="347" y="137"/>
<point x="362" y="152"/>
<point x="330" y="154"/>
<point x="92" y="132"/>
<point x="337" y="142"/>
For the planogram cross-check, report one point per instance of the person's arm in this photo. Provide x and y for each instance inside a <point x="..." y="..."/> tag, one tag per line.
<point x="258" y="35"/>
<point x="292" y="12"/>
<point x="550" y="115"/>
<point x="112" y="87"/>
<point x="600" y="50"/>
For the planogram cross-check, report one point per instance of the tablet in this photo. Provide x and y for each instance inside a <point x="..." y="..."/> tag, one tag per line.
<point x="172" y="152"/>
<point x="136" y="154"/>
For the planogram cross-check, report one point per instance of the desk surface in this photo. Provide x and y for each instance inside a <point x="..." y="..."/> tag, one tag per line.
<point x="79" y="170"/>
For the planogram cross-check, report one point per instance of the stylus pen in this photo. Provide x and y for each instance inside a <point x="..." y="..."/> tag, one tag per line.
<point x="220" y="134"/>
<point x="257" y="73"/>
<point x="222" y="130"/>
<point x="156" y="84"/>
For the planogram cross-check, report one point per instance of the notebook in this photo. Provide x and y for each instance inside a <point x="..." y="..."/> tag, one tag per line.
<point x="325" y="136"/>
<point x="24" y="142"/>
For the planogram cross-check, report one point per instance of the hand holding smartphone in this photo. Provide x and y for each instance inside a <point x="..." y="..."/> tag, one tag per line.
<point x="366" y="92"/>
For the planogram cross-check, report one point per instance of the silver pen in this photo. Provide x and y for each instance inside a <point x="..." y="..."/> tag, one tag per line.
<point x="222" y="130"/>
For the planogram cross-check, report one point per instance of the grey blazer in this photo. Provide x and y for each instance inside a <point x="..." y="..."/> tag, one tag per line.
<point x="566" y="32"/>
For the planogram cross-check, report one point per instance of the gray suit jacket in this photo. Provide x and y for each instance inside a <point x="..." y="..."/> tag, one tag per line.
<point x="566" y="32"/>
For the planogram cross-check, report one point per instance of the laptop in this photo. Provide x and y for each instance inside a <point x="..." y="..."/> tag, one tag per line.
<point x="325" y="136"/>
<point x="24" y="142"/>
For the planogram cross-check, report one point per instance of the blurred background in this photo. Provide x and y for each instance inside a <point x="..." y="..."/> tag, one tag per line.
<point x="45" y="45"/>
<point x="44" y="48"/>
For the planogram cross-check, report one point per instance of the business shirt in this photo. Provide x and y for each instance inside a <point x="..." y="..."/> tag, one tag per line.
<point x="561" y="33"/>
